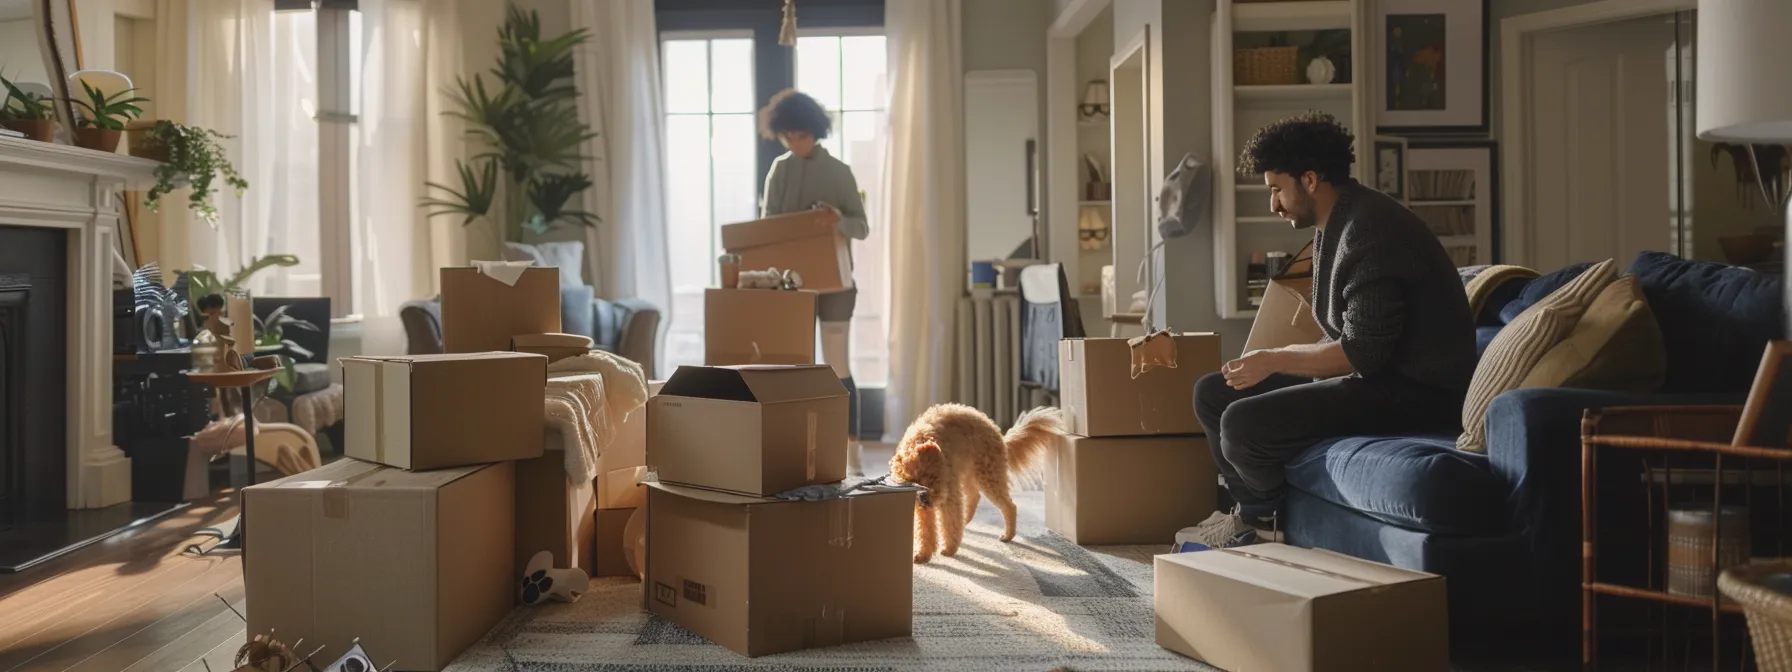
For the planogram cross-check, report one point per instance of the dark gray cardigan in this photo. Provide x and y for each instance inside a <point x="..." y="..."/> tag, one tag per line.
<point x="1385" y="287"/>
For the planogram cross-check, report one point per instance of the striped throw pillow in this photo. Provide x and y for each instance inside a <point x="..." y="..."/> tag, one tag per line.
<point x="1525" y="340"/>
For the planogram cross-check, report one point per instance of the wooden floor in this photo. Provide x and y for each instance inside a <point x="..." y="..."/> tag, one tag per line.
<point x="132" y="602"/>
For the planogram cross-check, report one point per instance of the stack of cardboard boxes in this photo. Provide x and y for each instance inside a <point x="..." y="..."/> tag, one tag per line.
<point x="752" y="572"/>
<point x="1136" y="468"/>
<point x="769" y="326"/>
<point x="415" y="543"/>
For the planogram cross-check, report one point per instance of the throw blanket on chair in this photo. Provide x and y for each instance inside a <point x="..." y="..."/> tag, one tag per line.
<point x="588" y="398"/>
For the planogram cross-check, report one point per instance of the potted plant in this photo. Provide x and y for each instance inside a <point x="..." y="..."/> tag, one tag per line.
<point x="101" y="123"/>
<point x="192" y="157"/>
<point x="531" y="131"/>
<point x="202" y="282"/>
<point x="28" y="113"/>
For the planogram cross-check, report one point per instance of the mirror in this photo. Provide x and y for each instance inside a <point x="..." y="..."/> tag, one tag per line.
<point x="40" y="46"/>
<point x="1001" y="112"/>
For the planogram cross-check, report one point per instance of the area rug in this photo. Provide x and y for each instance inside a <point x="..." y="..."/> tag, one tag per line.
<point x="1038" y="603"/>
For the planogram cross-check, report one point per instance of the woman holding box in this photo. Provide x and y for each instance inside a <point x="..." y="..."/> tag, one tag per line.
<point x="808" y="177"/>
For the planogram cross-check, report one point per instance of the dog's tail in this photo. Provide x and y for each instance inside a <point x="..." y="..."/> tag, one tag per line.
<point x="1033" y="433"/>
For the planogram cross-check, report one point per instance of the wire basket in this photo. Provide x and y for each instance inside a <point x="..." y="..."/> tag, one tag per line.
<point x="1764" y="589"/>
<point x="1253" y="66"/>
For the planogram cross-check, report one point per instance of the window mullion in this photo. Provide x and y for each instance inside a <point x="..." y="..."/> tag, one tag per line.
<point x="335" y="174"/>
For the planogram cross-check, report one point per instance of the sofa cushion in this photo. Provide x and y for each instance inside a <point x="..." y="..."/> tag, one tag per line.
<point x="1518" y="348"/>
<point x="1715" y="320"/>
<point x="1534" y="290"/>
<point x="576" y="316"/>
<point x="1421" y="483"/>
<point x="1616" y="345"/>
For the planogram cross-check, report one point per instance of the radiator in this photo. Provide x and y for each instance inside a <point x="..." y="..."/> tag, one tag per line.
<point x="989" y="355"/>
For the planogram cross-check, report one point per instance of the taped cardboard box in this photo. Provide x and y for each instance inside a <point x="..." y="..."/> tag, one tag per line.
<point x="481" y="313"/>
<point x="763" y="576"/>
<point x="758" y="326"/>
<point x="805" y="242"/>
<point x="417" y="565"/>
<point x="1102" y="398"/>
<point x="611" y="555"/>
<point x="1286" y="315"/>
<point x="753" y="430"/>
<point x="555" y="513"/>
<point x="1277" y="607"/>
<point x="434" y="411"/>
<point x="1129" y="490"/>
<point x="624" y="463"/>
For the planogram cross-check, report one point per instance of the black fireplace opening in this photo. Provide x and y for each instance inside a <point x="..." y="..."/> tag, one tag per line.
<point x="33" y="373"/>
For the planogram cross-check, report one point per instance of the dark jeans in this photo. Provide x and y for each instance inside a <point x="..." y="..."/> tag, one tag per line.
<point x="1255" y="432"/>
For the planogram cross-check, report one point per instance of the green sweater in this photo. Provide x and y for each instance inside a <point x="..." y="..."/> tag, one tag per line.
<point x="796" y="183"/>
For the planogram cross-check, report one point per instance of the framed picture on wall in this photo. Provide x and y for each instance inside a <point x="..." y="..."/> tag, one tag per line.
<point x="1390" y="167"/>
<point x="1430" y="68"/>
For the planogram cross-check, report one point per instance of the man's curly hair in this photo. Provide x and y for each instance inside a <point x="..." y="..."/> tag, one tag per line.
<point x="791" y="111"/>
<point x="1311" y="140"/>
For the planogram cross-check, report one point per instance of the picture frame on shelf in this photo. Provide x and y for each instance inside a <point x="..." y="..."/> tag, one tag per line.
<point x="1413" y="94"/>
<point x="1767" y="415"/>
<point x="1456" y="183"/>
<point x="1390" y="166"/>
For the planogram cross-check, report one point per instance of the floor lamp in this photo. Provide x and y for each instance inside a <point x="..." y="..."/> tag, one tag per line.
<point x="1744" y="48"/>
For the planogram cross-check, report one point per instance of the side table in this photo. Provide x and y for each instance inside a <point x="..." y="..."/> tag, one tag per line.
<point x="263" y="368"/>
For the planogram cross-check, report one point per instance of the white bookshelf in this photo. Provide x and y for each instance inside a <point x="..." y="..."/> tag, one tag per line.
<point x="1241" y="219"/>
<point x="1451" y="188"/>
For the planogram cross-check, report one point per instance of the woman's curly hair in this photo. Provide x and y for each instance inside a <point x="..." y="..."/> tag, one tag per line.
<point x="791" y="111"/>
<point x="1311" y="140"/>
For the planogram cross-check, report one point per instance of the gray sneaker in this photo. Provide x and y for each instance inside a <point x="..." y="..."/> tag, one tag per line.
<point x="1224" y="530"/>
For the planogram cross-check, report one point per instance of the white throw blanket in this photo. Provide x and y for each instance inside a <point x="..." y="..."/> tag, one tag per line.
<point x="588" y="398"/>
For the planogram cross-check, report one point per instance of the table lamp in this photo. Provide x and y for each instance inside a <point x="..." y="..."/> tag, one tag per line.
<point x="1743" y="96"/>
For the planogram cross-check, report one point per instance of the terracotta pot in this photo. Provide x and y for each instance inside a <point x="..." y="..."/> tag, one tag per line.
<point x="41" y="130"/>
<point x="141" y="144"/>
<point x="102" y="139"/>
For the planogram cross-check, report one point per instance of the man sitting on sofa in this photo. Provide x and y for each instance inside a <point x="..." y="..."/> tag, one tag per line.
<point x="1398" y="351"/>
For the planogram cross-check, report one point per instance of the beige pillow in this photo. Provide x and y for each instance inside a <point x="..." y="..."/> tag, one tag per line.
<point x="1523" y="343"/>
<point x="1616" y="346"/>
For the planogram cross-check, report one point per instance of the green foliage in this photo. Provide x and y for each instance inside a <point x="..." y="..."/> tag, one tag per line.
<point x="271" y="331"/>
<point x="196" y="159"/>
<point x="108" y="112"/>
<point x="23" y="106"/>
<point x="203" y="282"/>
<point x="529" y="128"/>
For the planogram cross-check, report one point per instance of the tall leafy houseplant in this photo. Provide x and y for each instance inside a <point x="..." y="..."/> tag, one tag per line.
<point x="529" y="131"/>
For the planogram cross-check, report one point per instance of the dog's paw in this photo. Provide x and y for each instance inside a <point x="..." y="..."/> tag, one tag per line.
<point x="949" y="551"/>
<point x="922" y="558"/>
<point x="1007" y="537"/>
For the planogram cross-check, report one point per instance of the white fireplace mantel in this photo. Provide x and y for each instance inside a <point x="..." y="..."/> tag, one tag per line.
<point x="79" y="191"/>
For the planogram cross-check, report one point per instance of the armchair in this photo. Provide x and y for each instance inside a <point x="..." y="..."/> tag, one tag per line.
<point x="628" y="327"/>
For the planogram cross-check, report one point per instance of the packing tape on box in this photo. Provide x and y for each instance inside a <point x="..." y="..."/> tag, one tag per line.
<point x="336" y="493"/>
<point x="840" y="522"/>
<point x="379" y="413"/>
<point x="1296" y="565"/>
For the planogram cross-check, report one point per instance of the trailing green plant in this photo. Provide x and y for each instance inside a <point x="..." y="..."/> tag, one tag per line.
<point x="107" y="112"/>
<point x="23" y="105"/>
<point x="195" y="158"/>
<point x="529" y="130"/>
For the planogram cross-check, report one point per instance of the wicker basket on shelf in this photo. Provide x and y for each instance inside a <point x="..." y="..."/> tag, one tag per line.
<point x="1764" y="589"/>
<point x="1265" y="65"/>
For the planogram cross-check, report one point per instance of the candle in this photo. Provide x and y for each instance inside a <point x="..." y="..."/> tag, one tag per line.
<point x="242" y="324"/>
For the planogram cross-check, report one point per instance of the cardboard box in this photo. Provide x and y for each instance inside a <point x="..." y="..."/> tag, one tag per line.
<point x="611" y="558"/>
<point x="1131" y="490"/>
<point x="554" y="513"/>
<point x="627" y="452"/>
<point x="435" y="411"/>
<point x="1276" y="607"/>
<point x="1286" y="315"/>
<point x="802" y="241"/>
<point x="754" y="430"/>
<point x="1101" y="398"/>
<point x="764" y="576"/>
<point x="416" y="564"/>
<point x="758" y="326"/>
<point x="555" y="347"/>
<point x="481" y="314"/>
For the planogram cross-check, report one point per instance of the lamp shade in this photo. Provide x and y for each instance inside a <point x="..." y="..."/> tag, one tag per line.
<point x="1744" y="49"/>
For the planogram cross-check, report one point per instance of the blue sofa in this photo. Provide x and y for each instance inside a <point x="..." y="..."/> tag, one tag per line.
<point x="1504" y="527"/>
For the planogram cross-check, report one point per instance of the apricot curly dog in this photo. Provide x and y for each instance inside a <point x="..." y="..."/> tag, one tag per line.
<point x="956" y="451"/>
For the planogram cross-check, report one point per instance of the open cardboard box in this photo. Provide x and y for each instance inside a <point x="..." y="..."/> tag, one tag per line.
<point x="1102" y="398"/>
<point x="758" y="326"/>
<point x="434" y="411"/>
<point x="754" y="430"/>
<point x="804" y="241"/>
<point x="1286" y="314"/>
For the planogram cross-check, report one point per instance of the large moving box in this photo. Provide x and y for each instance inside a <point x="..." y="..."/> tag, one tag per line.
<point x="555" y="513"/>
<point x="1102" y="398"/>
<point x="481" y="313"/>
<point x="755" y="430"/>
<point x="763" y="576"/>
<point x="1129" y="490"/>
<point x="1276" y="607"/>
<point x="418" y="565"/>
<point x="1286" y="315"/>
<point x="805" y="242"/>
<point x="758" y="326"/>
<point x="435" y="411"/>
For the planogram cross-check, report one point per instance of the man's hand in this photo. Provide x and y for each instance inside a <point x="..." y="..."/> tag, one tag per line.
<point x="1250" y="369"/>
<point x="833" y="213"/>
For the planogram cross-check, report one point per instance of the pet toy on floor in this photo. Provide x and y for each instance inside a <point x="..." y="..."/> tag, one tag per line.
<point x="956" y="452"/>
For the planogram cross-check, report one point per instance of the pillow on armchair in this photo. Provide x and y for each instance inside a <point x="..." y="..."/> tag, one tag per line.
<point x="1616" y="345"/>
<point x="568" y="256"/>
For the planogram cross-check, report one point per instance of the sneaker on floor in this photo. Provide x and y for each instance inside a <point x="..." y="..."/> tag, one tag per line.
<point x="1224" y="530"/>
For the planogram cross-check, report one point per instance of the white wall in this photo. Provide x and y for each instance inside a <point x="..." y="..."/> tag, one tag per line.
<point x="20" y="58"/>
<point x="1011" y="34"/>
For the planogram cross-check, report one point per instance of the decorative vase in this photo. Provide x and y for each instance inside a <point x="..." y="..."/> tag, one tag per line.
<point x="140" y="141"/>
<point x="102" y="139"/>
<point x="41" y="130"/>
<point x="1321" y="71"/>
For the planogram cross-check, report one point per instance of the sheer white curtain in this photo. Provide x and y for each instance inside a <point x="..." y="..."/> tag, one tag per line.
<point x="229" y="90"/>
<point x="925" y="176"/>
<point x="618" y="77"/>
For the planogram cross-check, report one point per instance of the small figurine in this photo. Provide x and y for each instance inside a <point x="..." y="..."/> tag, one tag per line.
<point x="212" y="306"/>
